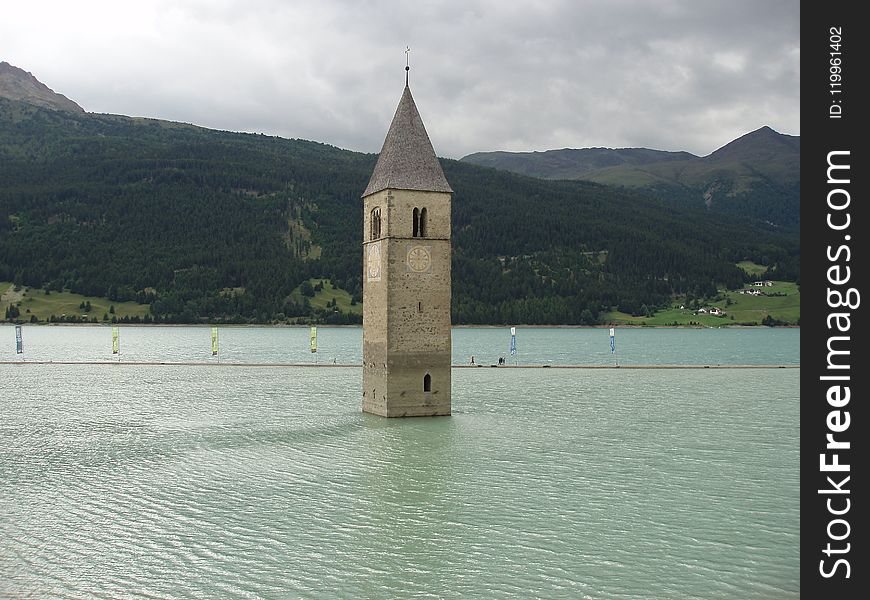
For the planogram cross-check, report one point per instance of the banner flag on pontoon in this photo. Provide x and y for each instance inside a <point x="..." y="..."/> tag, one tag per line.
<point x="214" y="341"/>
<point x="513" y="341"/>
<point x="313" y="339"/>
<point x="612" y="341"/>
<point x="116" y="342"/>
<point x="19" y="342"/>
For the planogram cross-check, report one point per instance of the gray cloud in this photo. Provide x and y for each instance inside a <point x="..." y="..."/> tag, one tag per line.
<point x="487" y="75"/>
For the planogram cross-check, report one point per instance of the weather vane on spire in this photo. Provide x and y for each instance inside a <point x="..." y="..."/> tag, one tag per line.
<point x="407" y="62"/>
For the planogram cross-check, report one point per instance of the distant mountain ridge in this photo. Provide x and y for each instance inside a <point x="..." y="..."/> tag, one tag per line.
<point x="756" y="175"/>
<point x="216" y="226"/>
<point x="18" y="84"/>
<point x="571" y="163"/>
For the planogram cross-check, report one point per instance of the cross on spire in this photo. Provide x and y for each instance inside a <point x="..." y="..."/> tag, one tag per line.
<point x="407" y="62"/>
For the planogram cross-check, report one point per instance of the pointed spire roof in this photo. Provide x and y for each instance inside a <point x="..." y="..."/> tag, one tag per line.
<point x="407" y="160"/>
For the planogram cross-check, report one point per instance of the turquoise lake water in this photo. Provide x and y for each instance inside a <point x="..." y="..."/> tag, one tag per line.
<point x="229" y="481"/>
<point x="749" y="346"/>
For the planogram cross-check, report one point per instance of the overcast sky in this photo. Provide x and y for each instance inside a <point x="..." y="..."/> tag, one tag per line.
<point x="486" y="74"/>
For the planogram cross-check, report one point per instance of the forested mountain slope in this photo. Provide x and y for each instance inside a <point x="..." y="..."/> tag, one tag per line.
<point x="211" y="225"/>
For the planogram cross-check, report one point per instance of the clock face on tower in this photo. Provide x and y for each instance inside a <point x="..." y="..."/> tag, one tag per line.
<point x="419" y="259"/>
<point x="373" y="262"/>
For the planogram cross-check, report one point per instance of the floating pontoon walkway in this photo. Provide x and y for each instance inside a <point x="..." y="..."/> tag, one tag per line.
<point x="334" y="365"/>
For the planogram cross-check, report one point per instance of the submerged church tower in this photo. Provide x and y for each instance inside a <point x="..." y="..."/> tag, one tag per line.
<point x="406" y="275"/>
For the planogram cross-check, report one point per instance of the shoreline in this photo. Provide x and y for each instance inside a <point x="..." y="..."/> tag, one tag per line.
<point x="294" y="326"/>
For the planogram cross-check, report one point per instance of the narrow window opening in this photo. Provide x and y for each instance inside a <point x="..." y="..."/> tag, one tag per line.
<point x="376" y="223"/>
<point x="423" y="222"/>
<point x="427" y="383"/>
<point x="419" y="307"/>
<point x="416" y="231"/>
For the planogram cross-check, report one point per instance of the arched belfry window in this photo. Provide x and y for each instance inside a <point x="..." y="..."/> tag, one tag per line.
<point x="376" y="223"/>
<point x="416" y="222"/>
<point x="427" y="383"/>
<point x="422" y="222"/>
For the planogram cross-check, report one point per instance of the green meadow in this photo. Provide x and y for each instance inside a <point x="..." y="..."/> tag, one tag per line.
<point x="751" y="268"/>
<point x="323" y="298"/>
<point x="740" y="309"/>
<point x="34" y="302"/>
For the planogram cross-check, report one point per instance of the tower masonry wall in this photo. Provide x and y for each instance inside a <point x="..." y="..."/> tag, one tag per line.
<point x="418" y="311"/>
<point x="397" y="213"/>
<point x="406" y="309"/>
<point x="401" y="213"/>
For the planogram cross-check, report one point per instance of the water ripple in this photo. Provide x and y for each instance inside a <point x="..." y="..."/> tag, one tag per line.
<point x="251" y="483"/>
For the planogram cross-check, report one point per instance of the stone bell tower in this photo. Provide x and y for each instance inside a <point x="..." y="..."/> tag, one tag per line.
<point x="406" y="275"/>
